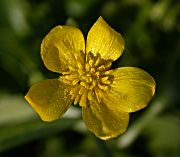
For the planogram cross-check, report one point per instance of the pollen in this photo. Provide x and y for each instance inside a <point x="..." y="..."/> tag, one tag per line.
<point x="90" y="78"/>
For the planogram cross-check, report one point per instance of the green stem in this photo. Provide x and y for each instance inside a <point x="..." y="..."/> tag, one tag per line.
<point x="105" y="151"/>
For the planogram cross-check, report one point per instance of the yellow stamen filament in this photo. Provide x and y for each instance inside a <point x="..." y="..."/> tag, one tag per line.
<point x="90" y="95"/>
<point x="87" y="67"/>
<point x="72" y="68"/>
<point x="92" y="70"/>
<point x="103" y="87"/>
<point x="109" y="72"/>
<point x="89" y="79"/>
<point x="102" y="67"/>
<point x="97" y="74"/>
<point x="66" y="72"/>
<point x="76" y="101"/>
<point x="104" y="79"/>
<point x="91" y="62"/>
<point x="75" y="81"/>
<point x="81" y="71"/>
<point x="97" y="61"/>
<point x="83" y="100"/>
<point x="81" y="91"/>
<point x="98" y="94"/>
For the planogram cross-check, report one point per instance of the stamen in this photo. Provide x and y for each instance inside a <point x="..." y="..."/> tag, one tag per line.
<point x="87" y="67"/>
<point x="92" y="70"/>
<point x="89" y="80"/>
<point x="103" y="87"/>
<point x="66" y="72"/>
<point x="94" y="83"/>
<point x="76" y="101"/>
<point x="75" y="81"/>
<point x="66" y="81"/>
<point x="83" y="84"/>
<point x="88" y="56"/>
<point x="101" y="68"/>
<point x="107" y="82"/>
<point x="81" y="90"/>
<point x="81" y="72"/>
<point x="70" y="77"/>
<point x="90" y="93"/>
<point x="104" y="79"/>
<point x="72" y="68"/>
<point x="97" y="74"/>
<point x="97" y="61"/>
<point x="98" y="95"/>
<point x="83" y="100"/>
<point x="91" y="62"/>
<point x="109" y="72"/>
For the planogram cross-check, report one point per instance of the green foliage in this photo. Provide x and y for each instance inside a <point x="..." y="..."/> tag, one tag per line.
<point x="151" y="31"/>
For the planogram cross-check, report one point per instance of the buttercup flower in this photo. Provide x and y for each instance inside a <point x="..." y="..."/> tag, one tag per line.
<point x="106" y="96"/>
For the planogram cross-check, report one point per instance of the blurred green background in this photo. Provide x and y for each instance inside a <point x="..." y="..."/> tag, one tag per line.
<point x="151" y="29"/>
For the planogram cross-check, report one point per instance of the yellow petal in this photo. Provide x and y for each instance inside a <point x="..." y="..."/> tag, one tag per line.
<point x="61" y="48"/>
<point x="104" y="40"/>
<point x="49" y="99"/>
<point x="104" y="122"/>
<point x="131" y="90"/>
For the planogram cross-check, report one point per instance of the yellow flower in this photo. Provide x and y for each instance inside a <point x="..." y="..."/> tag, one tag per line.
<point x="106" y="96"/>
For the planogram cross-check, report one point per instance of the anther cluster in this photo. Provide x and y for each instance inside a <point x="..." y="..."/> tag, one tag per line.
<point x="90" y="77"/>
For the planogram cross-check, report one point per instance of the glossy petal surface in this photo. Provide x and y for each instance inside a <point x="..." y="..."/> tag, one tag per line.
<point x="104" y="40"/>
<point x="61" y="47"/>
<point x="131" y="90"/>
<point x="49" y="99"/>
<point x="104" y="122"/>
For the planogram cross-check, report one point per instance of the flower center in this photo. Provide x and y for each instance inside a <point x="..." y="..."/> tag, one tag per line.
<point x="90" y="78"/>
